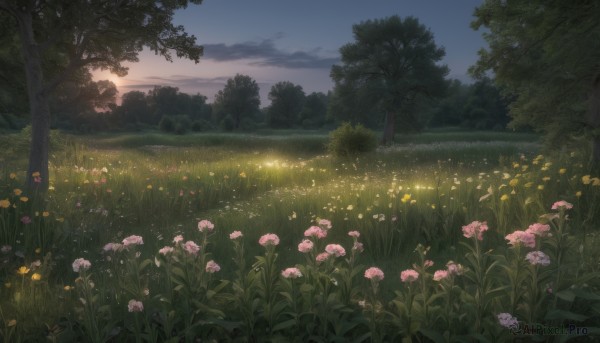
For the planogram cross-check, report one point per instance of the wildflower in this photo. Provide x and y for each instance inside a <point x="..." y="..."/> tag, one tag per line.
<point x="17" y="191"/>
<point x="504" y="197"/>
<point x="409" y="275"/>
<point x="315" y="231"/>
<point x="12" y="176"/>
<point x="36" y="264"/>
<point x="540" y="187"/>
<point x="325" y="224"/>
<point x="440" y="275"/>
<point x="405" y="198"/>
<point x="205" y="225"/>
<point x="36" y="277"/>
<point x="428" y="263"/>
<point x="521" y="237"/>
<point x="322" y="257"/>
<point x="165" y="250"/>
<point x="475" y="229"/>
<point x="135" y="306"/>
<point x="4" y="203"/>
<point x="586" y="180"/>
<point x="133" y="240"/>
<point x="177" y="239"/>
<point x="149" y="187"/>
<point x="454" y="268"/>
<point x="538" y="229"/>
<point x="24" y="199"/>
<point x="538" y="257"/>
<point x="335" y="250"/>
<point x="191" y="248"/>
<point x="513" y="182"/>
<point x="349" y="208"/>
<point x="67" y="288"/>
<point x="212" y="267"/>
<point x="358" y="246"/>
<point x="22" y="270"/>
<point x="374" y="274"/>
<point x="269" y="239"/>
<point x="562" y="171"/>
<point x="291" y="273"/>
<point x="508" y="321"/>
<point x="45" y="214"/>
<point x="305" y="246"/>
<point x="81" y="264"/>
<point x="354" y="234"/>
<point x="560" y="204"/>
<point x="6" y="249"/>
<point x="26" y="220"/>
<point x="35" y="174"/>
<point x="578" y="194"/>
<point x="235" y="235"/>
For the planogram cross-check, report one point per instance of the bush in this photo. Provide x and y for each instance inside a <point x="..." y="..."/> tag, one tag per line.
<point x="167" y="124"/>
<point x="227" y="124"/>
<point x="348" y="141"/>
<point x="201" y="125"/>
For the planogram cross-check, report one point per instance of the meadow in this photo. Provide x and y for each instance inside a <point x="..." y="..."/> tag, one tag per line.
<point x="444" y="237"/>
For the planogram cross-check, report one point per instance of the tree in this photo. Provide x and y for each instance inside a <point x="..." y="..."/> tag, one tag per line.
<point x="314" y="111"/>
<point x="79" y="34"/>
<point x="546" y="54"/>
<point x="390" y="64"/>
<point x="134" y="108"/>
<point x="238" y="99"/>
<point x="287" y="100"/>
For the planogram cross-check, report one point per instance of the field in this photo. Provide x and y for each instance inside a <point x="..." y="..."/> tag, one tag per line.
<point x="444" y="237"/>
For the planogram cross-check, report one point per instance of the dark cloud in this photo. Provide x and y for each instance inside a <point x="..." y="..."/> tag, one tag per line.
<point x="266" y="54"/>
<point x="180" y="81"/>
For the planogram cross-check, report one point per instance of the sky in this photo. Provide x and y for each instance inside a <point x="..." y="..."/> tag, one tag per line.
<point x="296" y="41"/>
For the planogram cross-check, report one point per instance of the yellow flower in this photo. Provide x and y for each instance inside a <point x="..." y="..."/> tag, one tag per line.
<point x="595" y="181"/>
<point x="405" y="198"/>
<point x="45" y="214"/>
<point x="412" y="202"/>
<point x="60" y="220"/>
<point x="578" y="194"/>
<point x="562" y="171"/>
<point x="24" y="199"/>
<point x="586" y="179"/>
<point x="504" y="197"/>
<point x="528" y="184"/>
<point x="23" y="270"/>
<point x="36" y="277"/>
<point x="546" y="178"/>
<point x="4" y="203"/>
<point x="38" y="250"/>
<point x="242" y="175"/>
<point x="12" y="176"/>
<point x="515" y="165"/>
<point x="85" y="182"/>
<point x="35" y="174"/>
<point x="540" y="187"/>
<point x="67" y="288"/>
<point x="149" y="187"/>
<point x="17" y="191"/>
<point x="514" y="182"/>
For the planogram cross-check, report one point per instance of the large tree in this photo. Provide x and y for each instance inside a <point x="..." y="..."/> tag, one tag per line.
<point x="94" y="34"/>
<point x="546" y="54"/>
<point x="287" y="100"/>
<point x="239" y="99"/>
<point x="390" y="64"/>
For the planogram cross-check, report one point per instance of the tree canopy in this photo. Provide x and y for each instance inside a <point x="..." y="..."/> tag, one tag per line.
<point x="78" y="34"/>
<point x="546" y="54"/>
<point x="287" y="100"/>
<point x="238" y="99"/>
<point x="391" y="62"/>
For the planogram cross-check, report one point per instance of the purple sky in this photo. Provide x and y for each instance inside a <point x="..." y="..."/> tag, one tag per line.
<point x="297" y="41"/>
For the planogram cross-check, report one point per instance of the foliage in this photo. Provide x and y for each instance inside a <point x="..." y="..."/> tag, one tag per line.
<point x="535" y="51"/>
<point x="348" y="141"/>
<point x="390" y="64"/>
<point x="314" y="111"/>
<point x="238" y="99"/>
<point x="167" y="124"/>
<point x="287" y="100"/>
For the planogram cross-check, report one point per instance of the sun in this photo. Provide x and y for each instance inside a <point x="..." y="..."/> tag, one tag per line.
<point x="106" y="75"/>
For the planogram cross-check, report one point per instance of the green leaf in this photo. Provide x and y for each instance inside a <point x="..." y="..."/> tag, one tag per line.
<point x="565" y="315"/>
<point x="580" y="293"/>
<point x="433" y="335"/>
<point x="285" y="325"/>
<point x="566" y="294"/>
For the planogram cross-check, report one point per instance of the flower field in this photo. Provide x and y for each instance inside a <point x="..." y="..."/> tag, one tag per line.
<point x="450" y="242"/>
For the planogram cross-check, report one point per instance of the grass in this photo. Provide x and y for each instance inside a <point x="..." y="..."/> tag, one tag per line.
<point x="418" y="195"/>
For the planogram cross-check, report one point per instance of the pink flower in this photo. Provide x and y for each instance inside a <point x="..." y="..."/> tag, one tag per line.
<point x="325" y="224"/>
<point x="177" y="239"/>
<point x="475" y="229"/>
<point x="358" y="246"/>
<point x="440" y="275"/>
<point x="374" y="274"/>
<point x="322" y="257"/>
<point x="135" y="306"/>
<point x="235" y="235"/>
<point x="291" y="273"/>
<point x="560" y="204"/>
<point x="212" y="267"/>
<point x="335" y="250"/>
<point x="315" y="231"/>
<point x="133" y="240"/>
<point x="37" y="179"/>
<point x="354" y="234"/>
<point x="521" y="237"/>
<point x="26" y="220"/>
<point x="538" y="257"/>
<point x="538" y="229"/>
<point x="108" y="247"/>
<point x="428" y="263"/>
<point x="205" y="225"/>
<point x="409" y="275"/>
<point x="269" y="239"/>
<point x="81" y="264"/>
<point x="165" y="250"/>
<point x="508" y="321"/>
<point x="454" y="268"/>
<point x="305" y="246"/>
<point x="191" y="248"/>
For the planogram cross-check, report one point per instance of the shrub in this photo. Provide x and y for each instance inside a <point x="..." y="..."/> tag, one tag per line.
<point x="227" y="124"/>
<point x="347" y="140"/>
<point x="167" y="124"/>
<point x="201" y="125"/>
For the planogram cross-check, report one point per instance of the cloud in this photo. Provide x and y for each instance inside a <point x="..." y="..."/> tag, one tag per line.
<point x="264" y="53"/>
<point x="180" y="81"/>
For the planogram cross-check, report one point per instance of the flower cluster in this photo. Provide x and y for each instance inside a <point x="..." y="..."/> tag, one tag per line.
<point x="205" y="226"/>
<point x="268" y="240"/>
<point x="409" y="275"/>
<point x="291" y="273"/>
<point x="374" y="274"/>
<point x="521" y="238"/>
<point x="475" y="229"/>
<point x="80" y="265"/>
<point x="538" y="257"/>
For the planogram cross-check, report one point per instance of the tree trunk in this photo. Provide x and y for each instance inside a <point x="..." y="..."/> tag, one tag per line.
<point x="389" y="129"/>
<point x="594" y="122"/>
<point x="37" y="172"/>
